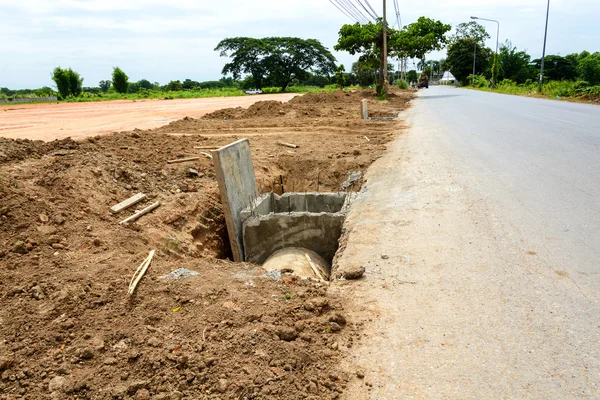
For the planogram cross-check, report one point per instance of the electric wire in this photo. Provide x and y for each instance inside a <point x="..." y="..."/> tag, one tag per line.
<point x="345" y="13"/>
<point x="356" y="11"/>
<point x="367" y="10"/>
<point x="343" y="4"/>
<point x="369" y="5"/>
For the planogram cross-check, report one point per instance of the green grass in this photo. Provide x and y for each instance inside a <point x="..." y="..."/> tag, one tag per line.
<point x="566" y="90"/>
<point x="157" y="94"/>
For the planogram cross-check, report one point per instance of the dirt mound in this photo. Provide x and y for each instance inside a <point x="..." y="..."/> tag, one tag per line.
<point x="20" y="149"/>
<point x="316" y="98"/>
<point x="226" y="113"/>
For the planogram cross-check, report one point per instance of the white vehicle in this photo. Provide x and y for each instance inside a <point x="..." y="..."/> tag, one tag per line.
<point x="254" y="91"/>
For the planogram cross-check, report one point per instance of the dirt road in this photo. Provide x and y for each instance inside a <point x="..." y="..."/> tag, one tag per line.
<point x="458" y="300"/>
<point x="79" y="120"/>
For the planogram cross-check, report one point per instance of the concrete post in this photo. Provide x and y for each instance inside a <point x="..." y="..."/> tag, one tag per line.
<point x="364" y="108"/>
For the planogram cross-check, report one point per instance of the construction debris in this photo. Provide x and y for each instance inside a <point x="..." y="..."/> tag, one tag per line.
<point x="291" y="145"/>
<point x="141" y="213"/>
<point x="140" y="272"/>
<point x="127" y="203"/>
<point x="182" y="160"/>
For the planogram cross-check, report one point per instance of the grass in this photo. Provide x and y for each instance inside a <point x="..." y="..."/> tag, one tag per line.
<point x="563" y="90"/>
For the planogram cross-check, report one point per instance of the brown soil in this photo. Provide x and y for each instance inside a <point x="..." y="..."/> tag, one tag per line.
<point x="67" y="327"/>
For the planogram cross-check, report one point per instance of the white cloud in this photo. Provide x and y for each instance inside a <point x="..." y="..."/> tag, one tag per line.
<point x="165" y="39"/>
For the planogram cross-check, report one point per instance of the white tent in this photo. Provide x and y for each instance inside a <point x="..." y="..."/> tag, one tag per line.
<point x="447" y="78"/>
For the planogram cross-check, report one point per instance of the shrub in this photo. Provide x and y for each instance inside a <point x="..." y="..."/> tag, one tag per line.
<point x="480" y="81"/>
<point x="402" y="84"/>
<point x="120" y="80"/>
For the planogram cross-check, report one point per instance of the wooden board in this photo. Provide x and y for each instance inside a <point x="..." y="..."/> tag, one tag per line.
<point x="127" y="203"/>
<point x="237" y="185"/>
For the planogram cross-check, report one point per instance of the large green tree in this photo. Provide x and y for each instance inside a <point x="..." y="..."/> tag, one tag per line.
<point x="68" y="82"/>
<point x="513" y="64"/>
<point x="466" y="45"/>
<point x="414" y="41"/>
<point x="558" y="68"/>
<point x="120" y="80"/>
<point x="275" y="61"/>
<point x="589" y="68"/>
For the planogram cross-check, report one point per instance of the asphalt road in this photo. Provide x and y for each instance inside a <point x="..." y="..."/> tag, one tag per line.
<point x="539" y="160"/>
<point x="479" y="231"/>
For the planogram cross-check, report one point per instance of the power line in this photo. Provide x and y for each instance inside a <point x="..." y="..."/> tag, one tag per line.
<point x="369" y="5"/>
<point x="367" y="10"/>
<point x="356" y="11"/>
<point x="344" y="5"/>
<point x="345" y="13"/>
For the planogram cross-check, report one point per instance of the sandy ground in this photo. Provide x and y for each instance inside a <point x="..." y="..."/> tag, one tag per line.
<point x="456" y="304"/>
<point x="67" y="327"/>
<point x="80" y="120"/>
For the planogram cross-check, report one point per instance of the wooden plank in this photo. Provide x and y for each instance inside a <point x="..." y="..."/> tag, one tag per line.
<point x="137" y="215"/>
<point x="291" y="145"/>
<point x="206" y="147"/>
<point x="237" y="185"/>
<point x="127" y="203"/>
<point x="180" y="160"/>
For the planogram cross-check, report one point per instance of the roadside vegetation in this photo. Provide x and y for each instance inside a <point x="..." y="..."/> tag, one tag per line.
<point x="574" y="76"/>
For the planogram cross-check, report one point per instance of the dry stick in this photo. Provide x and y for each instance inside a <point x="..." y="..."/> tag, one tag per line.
<point x="290" y="145"/>
<point x="207" y="155"/>
<point x="180" y="160"/>
<point x="206" y="147"/>
<point x="141" y="213"/>
<point x="368" y="140"/>
<point x="318" y="179"/>
<point x="139" y="273"/>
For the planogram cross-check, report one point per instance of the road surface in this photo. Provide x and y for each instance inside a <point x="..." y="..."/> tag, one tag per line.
<point x="80" y="120"/>
<point x="480" y="233"/>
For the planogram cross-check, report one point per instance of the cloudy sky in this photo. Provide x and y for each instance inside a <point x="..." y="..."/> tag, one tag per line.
<point x="162" y="40"/>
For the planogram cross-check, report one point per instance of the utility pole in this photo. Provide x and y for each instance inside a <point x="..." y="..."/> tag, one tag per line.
<point x="474" y="59"/>
<point x="384" y="71"/>
<point x="544" y="51"/>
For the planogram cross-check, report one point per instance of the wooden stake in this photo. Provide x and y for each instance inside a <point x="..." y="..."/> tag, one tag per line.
<point x="291" y="145"/>
<point x="180" y="160"/>
<point x="140" y="272"/>
<point x="127" y="203"/>
<point x="140" y="214"/>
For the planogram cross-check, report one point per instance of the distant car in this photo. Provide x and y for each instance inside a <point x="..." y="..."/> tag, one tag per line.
<point x="254" y="91"/>
<point x="423" y="84"/>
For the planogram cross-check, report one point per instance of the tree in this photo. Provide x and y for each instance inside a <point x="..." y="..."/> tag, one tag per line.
<point x="340" y="79"/>
<point x="589" y="68"/>
<point x="68" y="82"/>
<point x="275" y="61"/>
<point x="414" y="41"/>
<point x="513" y="64"/>
<point x="364" y="72"/>
<point x="412" y="76"/>
<point x="190" y="84"/>
<point x="558" y="68"/>
<point x="145" y="84"/>
<point x="470" y="30"/>
<point x="174" y="86"/>
<point x="120" y="80"/>
<point x="104" y="86"/>
<point x="460" y="58"/>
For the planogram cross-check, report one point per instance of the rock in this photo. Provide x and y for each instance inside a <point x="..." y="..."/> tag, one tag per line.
<point x="97" y="172"/>
<point x="351" y="272"/>
<point x="43" y="218"/>
<point x="316" y="304"/>
<point x="4" y="210"/>
<point x="97" y="242"/>
<point x="222" y="385"/>
<point x="58" y="246"/>
<point x="335" y="327"/>
<point x="5" y="363"/>
<point x="176" y="395"/>
<point x="312" y="388"/>
<point x="133" y="387"/>
<point x="154" y="342"/>
<point x="20" y="247"/>
<point x="231" y="305"/>
<point x="88" y="228"/>
<point x="37" y="293"/>
<point x="287" y="334"/>
<point x="356" y="153"/>
<point x="86" y="354"/>
<point x="97" y="344"/>
<point x="110" y="361"/>
<point x="360" y="374"/>
<point x="59" y="220"/>
<point x="339" y="318"/>
<point x="57" y="384"/>
<point x="385" y="256"/>
<point x="193" y="173"/>
<point x="142" y="394"/>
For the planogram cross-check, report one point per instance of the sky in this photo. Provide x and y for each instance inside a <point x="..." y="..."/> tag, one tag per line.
<point x="164" y="40"/>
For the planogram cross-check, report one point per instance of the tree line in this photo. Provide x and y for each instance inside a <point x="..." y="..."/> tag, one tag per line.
<point x="513" y="65"/>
